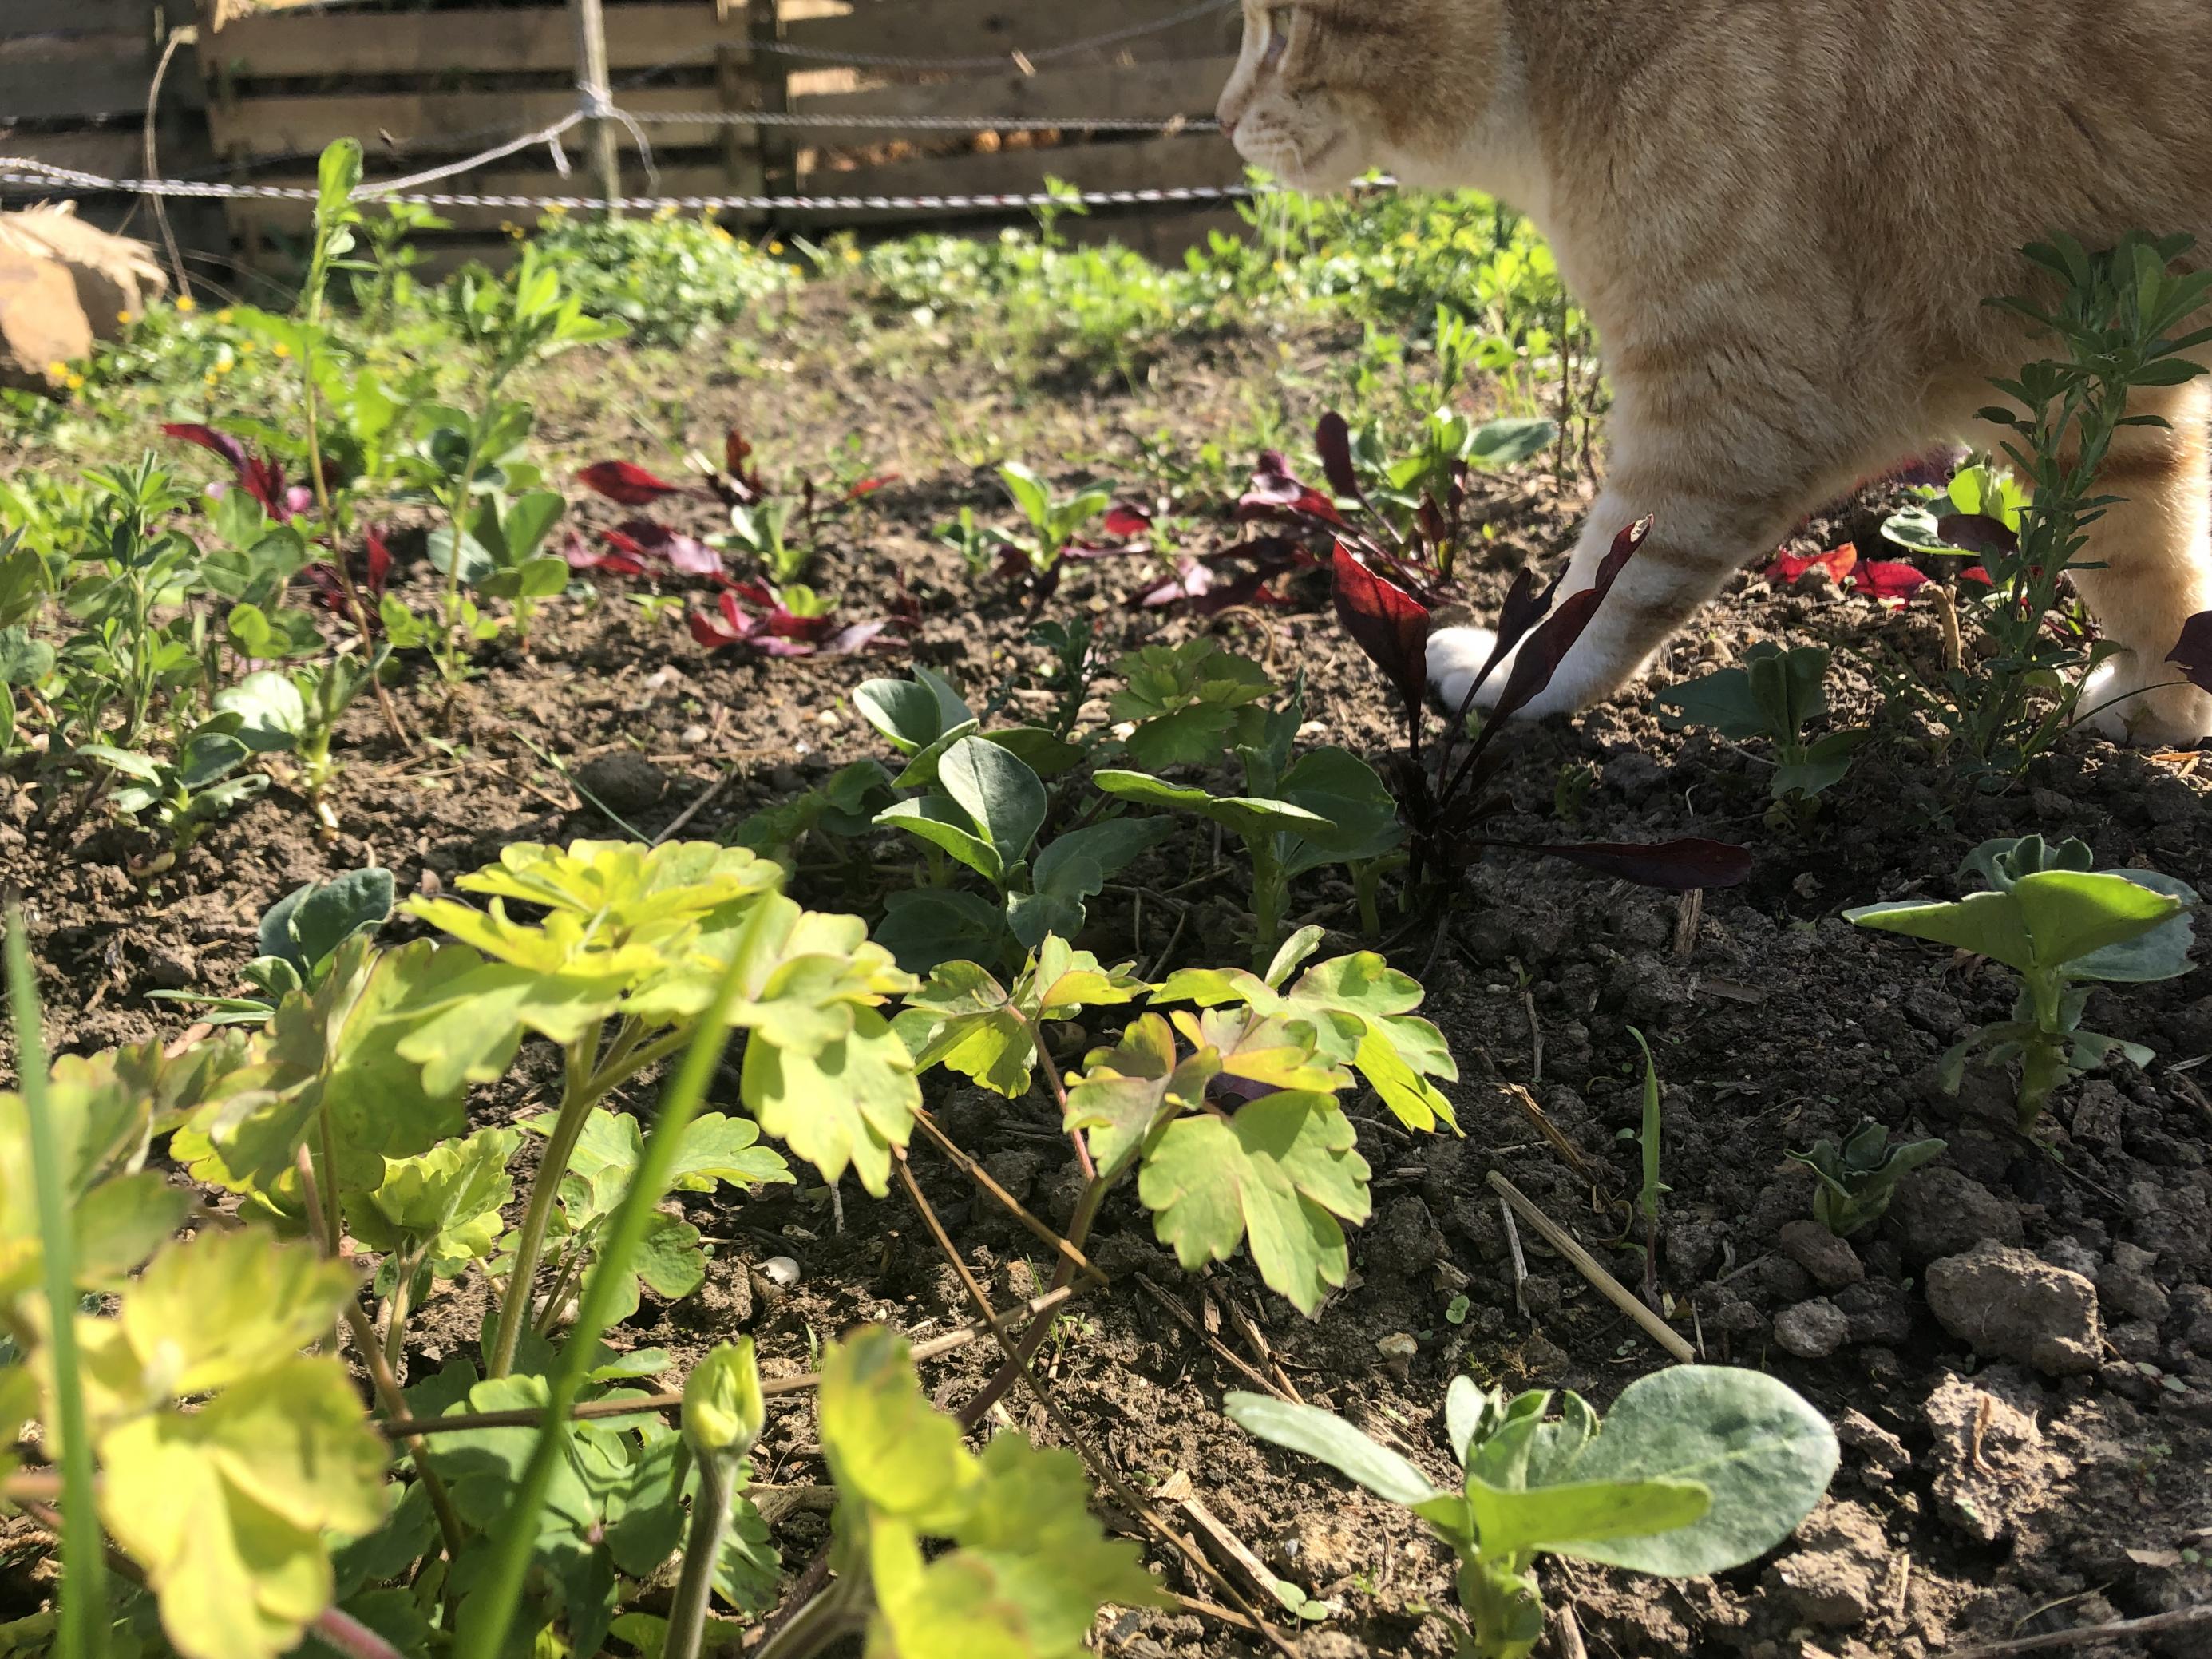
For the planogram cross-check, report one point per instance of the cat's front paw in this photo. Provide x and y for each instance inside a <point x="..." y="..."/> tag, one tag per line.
<point x="1456" y="655"/>
<point x="2134" y="702"/>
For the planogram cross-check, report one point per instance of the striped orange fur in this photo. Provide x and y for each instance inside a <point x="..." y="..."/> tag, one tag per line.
<point x="1784" y="217"/>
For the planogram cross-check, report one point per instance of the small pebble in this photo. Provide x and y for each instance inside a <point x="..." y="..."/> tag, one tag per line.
<point x="780" y="1270"/>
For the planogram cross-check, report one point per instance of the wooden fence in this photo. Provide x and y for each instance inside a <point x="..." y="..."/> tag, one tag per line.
<point x="425" y="83"/>
<point x="75" y="79"/>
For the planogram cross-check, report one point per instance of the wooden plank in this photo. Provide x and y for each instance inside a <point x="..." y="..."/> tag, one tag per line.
<point x="674" y="181"/>
<point x="1154" y="92"/>
<point x="271" y="45"/>
<point x="111" y="152"/>
<point x="81" y="78"/>
<point x="1161" y="163"/>
<point x="963" y="28"/>
<point x="80" y="17"/>
<point x="424" y="123"/>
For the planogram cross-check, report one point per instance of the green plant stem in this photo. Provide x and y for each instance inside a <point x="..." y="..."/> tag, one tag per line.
<point x="487" y="1614"/>
<point x="702" y="1549"/>
<point x="449" y="600"/>
<point x="836" y="1612"/>
<point x="1271" y="896"/>
<point x="577" y="1099"/>
<point x="395" y="1323"/>
<point x="82" y="1624"/>
<point x="1507" y="1612"/>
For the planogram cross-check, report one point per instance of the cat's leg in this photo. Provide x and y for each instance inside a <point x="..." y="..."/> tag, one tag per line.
<point x="2156" y="547"/>
<point x="1715" y="508"/>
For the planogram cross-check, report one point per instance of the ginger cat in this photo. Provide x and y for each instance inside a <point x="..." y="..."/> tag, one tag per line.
<point x="1784" y="217"/>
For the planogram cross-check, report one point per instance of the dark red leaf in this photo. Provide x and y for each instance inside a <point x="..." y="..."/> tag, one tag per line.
<point x="1977" y="532"/>
<point x="1836" y="564"/>
<point x="2193" y="655"/>
<point x="1976" y="573"/>
<point x="631" y="486"/>
<point x="1886" y="581"/>
<point x="1550" y="640"/>
<point x="1127" y="521"/>
<point x="1387" y="622"/>
<point x="1676" y="865"/>
<point x="1277" y="493"/>
<point x="1333" y="438"/>
<point x="862" y="636"/>
<point x="207" y="437"/>
<point x="870" y="486"/>
<point x="379" y="560"/>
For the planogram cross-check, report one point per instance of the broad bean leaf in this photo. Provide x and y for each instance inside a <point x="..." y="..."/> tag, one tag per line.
<point x="271" y="711"/>
<point x="1324" y="1434"/>
<point x="1338" y="787"/>
<point x="927" y="927"/>
<point x="1248" y="817"/>
<point x="1281" y="1172"/>
<point x="1765" y="1456"/>
<point x="912" y="714"/>
<point x="2042" y="923"/>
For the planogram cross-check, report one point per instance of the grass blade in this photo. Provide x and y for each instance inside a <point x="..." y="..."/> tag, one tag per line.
<point x="487" y="1614"/>
<point x="83" y="1625"/>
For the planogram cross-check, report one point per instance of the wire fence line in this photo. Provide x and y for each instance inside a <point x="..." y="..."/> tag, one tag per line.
<point x="16" y="170"/>
<point x="25" y="171"/>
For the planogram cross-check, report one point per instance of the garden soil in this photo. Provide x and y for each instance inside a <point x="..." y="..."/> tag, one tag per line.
<point x="1979" y="1498"/>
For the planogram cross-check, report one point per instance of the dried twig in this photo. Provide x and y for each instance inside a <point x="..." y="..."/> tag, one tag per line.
<point x="1591" y="1268"/>
<point x="2120" y="1630"/>
<point x="1228" y="1355"/>
<point x="692" y="811"/>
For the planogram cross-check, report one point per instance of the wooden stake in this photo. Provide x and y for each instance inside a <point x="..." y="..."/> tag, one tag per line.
<point x="598" y="98"/>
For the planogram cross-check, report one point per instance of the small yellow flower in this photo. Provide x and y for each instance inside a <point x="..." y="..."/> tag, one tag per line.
<point x="556" y="211"/>
<point x="245" y="346"/>
<point x="209" y="379"/>
<point x="56" y="370"/>
<point x="225" y="316"/>
<point x="280" y="350"/>
<point x="224" y="366"/>
<point x="852" y="256"/>
<point x="76" y="383"/>
<point x="661" y="215"/>
<point x="186" y="304"/>
<point x="719" y="234"/>
<point x="775" y="247"/>
<point x="126" y="318"/>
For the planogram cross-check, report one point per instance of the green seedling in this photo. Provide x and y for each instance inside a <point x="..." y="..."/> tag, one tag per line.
<point x="1697" y="1469"/>
<point x="299" y="937"/>
<point x="181" y="795"/>
<point x="2063" y="929"/>
<point x="1648" y="1196"/>
<point x="1774" y="695"/>
<point x="1054" y="526"/>
<point x="982" y="804"/>
<point x="760" y="530"/>
<point x="1857" y="1180"/>
<point x="299" y="712"/>
<point x="1326" y="806"/>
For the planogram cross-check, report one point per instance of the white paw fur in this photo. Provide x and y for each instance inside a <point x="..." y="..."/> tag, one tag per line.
<point x="2130" y="701"/>
<point x="1456" y="655"/>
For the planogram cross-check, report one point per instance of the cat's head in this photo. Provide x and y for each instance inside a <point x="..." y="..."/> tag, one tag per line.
<point x="1326" y="90"/>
